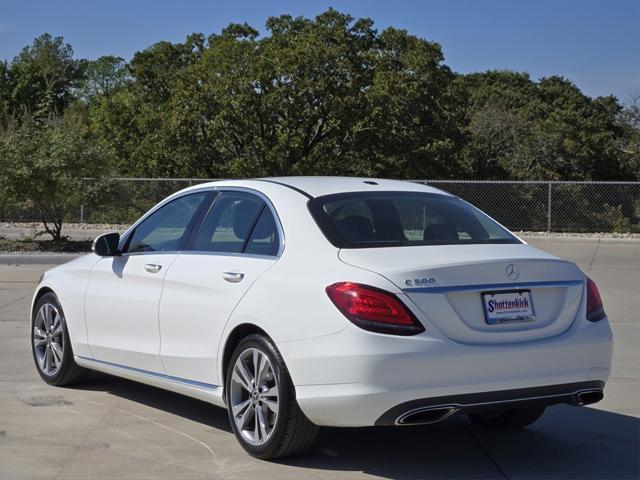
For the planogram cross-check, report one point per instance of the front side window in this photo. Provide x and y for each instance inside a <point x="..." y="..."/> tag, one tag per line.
<point x="392" y="219"/>
<point x="229" y="223"/>
<point x="164" y="229"/>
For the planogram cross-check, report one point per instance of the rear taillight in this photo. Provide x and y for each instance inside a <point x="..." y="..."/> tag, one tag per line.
<point x="595" y="309"/>
<point x="373" y="309"/>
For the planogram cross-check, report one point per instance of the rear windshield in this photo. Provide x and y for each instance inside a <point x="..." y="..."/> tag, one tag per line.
<point x="395" y="219"/>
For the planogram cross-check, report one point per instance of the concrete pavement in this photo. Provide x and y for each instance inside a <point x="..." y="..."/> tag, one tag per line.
<point x="113" y="428"/>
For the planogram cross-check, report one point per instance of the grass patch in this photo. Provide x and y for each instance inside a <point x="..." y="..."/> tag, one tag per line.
<point x="30" y="245"/>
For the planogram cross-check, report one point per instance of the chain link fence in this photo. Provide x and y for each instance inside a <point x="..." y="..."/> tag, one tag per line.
<point x="536" y="206"/>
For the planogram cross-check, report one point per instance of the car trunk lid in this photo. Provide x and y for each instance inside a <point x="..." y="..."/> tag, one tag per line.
<point x="447" y="284"/>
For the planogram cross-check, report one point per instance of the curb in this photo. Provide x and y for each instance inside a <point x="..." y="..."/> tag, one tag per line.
<point x="576" y="239"/>
<point x="37" y="258"/>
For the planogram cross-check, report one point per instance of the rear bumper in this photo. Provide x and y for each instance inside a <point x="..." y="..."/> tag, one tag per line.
<point x="580" y="393"/>
<point x="354" y="378"/>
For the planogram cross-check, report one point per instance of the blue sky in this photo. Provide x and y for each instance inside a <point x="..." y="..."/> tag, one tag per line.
<point x="594" y="43"/>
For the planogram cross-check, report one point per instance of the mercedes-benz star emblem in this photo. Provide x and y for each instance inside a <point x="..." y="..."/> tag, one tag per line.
<point x="512" y="271"/>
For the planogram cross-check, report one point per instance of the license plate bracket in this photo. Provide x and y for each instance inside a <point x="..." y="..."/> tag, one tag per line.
<point x="508" y="306"/>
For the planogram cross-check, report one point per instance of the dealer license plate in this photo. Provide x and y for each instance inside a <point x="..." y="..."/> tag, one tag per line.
<point x="508" y="306"/>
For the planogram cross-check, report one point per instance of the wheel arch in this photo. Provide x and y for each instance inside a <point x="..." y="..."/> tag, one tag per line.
<point x="42" y="291"/>
<point x="236" y="335"/>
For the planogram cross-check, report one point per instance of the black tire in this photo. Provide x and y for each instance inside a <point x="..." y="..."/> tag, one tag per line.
<point x="292" y="431"/>
<point x="68" y="372"/>
<point x="516" y="418"/>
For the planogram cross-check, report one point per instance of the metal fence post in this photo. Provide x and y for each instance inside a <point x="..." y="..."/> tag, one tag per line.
<point x="81" y="213"/>
<point x="549" y="208"/>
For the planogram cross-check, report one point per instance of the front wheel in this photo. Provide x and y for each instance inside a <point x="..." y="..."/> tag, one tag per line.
<point x="261" y="402"/>
<point x="515" y="418"/>
<point x="51" y="346"/>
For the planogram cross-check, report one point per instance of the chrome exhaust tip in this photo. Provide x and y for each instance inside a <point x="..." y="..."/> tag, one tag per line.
<point x="587" y="397"/>
<point x="425" y="415"/>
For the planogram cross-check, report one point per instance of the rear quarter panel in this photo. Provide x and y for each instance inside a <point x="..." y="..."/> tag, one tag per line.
<point x="289" y="301"/>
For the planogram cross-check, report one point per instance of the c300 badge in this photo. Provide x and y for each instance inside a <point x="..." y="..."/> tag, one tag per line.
<point x="420" y="282"/>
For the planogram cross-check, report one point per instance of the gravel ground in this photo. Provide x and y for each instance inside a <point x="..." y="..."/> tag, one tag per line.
<point x="596" y="235"/>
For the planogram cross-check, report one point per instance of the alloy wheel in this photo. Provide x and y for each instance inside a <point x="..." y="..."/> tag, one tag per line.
<point x="48" y="339"/>
<point x="254" y="396"/>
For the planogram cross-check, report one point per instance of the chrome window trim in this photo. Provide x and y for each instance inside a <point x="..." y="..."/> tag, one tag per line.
<point x="227" y="254"/>
<point x="171" y="198"/>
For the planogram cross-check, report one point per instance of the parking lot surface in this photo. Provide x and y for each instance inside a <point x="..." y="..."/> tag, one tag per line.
<point x="114" y="428"/>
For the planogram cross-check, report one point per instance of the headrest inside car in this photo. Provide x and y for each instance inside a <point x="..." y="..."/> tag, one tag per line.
<point x="243" y="215"/>
<point x="438" y="232"/>
<point x="355" y="228"/>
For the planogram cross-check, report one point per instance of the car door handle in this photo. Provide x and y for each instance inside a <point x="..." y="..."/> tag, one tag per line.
<point x="233" y="277"/>
<point x="152" y="267"/>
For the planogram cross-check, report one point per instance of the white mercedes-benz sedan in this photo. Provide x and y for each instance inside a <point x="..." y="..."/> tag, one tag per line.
<point x="298" y="302"/>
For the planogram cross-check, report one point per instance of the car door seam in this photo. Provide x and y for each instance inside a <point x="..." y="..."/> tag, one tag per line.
<point x="166" y="272"/>
<point x="226" y="323"/>
<point x="84" y="305"/>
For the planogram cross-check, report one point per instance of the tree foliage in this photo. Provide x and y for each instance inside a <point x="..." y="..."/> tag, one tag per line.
<point x="328" y="95"/>
<point x="44" y="167"/>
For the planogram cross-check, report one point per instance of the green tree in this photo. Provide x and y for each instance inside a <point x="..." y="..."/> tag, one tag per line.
<point x="42" y="166"/>
<point x="134" y="120"/>
<point x="518" y="128"/>
<point x="102" y="77"/>
<point x="328" y="95"/>
<point x="5" y="95"/>
<point x="43" y="77"/>
<point x="629" y="123"/>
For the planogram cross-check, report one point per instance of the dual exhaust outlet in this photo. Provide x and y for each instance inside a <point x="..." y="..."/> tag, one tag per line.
<point x="434" y="414"/>
<point x="426" y="415"/>
<point x="587" y="397"/>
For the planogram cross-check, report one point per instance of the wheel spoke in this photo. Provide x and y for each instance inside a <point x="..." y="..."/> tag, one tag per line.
<point x="256" y="426"/>
<point x="41" y="358"/>
<point x="48" y="316"/>
<point x="238" y="409"/>
<point x="56" y="350"/>
<point x="245" y="417"/>
<point x="271" y="405"/>
<point x="39" y="320"/>
<point x="260" y="367"/>
<point x="47" y="359"/>
<point x="260" y="363"/>
<point x="236" y="377"/>
<point x="246" y="375"/>
<point x="57" y="326"/>
<point x="39" y="333"/>
<point x="270" y="392"/>
<point x="262" y="422"/>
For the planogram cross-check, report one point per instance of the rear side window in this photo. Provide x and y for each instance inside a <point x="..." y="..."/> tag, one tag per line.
<point x="229" y="223"/>
<point x="264" y="238"/>
<point x="392" y="219"/>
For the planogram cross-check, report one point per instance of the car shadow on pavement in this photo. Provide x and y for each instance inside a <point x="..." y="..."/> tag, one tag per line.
<point x="187" y="407"/>
<point x="567" y="442"/>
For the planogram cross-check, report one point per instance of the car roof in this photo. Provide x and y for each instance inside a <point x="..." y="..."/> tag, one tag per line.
<point x="316" y="186"/>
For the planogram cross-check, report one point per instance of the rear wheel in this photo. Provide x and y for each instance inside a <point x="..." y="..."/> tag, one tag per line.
<point x="515" y="418"/>
<point x="51" y="346"/>
<point x="263" y="411"/>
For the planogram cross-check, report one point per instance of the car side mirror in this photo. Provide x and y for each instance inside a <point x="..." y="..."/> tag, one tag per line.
<point x="106" y="245"/>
